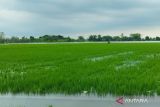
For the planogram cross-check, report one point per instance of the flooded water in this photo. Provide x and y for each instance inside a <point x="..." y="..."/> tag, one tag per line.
<point x="84" y="42"/>
<point x="76" y="101"/>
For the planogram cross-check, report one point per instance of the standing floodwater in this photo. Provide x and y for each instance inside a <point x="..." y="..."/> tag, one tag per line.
<point x="75" y="101"/>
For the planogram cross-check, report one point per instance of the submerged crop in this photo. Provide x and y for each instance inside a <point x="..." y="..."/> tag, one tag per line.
<point x="118" y="69"/>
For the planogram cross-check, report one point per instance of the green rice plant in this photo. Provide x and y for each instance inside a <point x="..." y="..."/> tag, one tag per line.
<point x="95" y="68"/>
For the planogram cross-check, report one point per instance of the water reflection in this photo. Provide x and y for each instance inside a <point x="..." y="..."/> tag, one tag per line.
<point x="74" y="101"/>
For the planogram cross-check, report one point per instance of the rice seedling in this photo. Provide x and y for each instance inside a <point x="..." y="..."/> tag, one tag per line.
<point x="118" y="69"/>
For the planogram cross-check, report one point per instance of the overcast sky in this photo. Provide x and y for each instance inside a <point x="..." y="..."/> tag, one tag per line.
<point x="79" y="17"/>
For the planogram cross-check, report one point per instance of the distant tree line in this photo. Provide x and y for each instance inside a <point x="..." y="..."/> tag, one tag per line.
<point x="45" y="38"/>
<point x="132" y="37"/>
<point x="60" y="38"/>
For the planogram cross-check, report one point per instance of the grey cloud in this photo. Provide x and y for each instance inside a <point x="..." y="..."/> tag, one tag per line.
<point x="76" y="16"/>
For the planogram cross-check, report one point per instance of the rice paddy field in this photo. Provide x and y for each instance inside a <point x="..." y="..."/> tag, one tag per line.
<point x="93" y="68"/>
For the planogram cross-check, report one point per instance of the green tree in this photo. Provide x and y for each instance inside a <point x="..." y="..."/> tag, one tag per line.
<point x="135" y="36"/>
<point x="80" y="39"/>
<point x="147" y="38"/>
<point x="157" y="38"/>
<point x="116" y="38"/>
<point x="14" y="39"/>
<point x="2" y="37"/>
<point x="99" y="38"/>
<point x="92" y="38"/>
<point x="32" y="39"/>
<point x="107" y="38"/>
